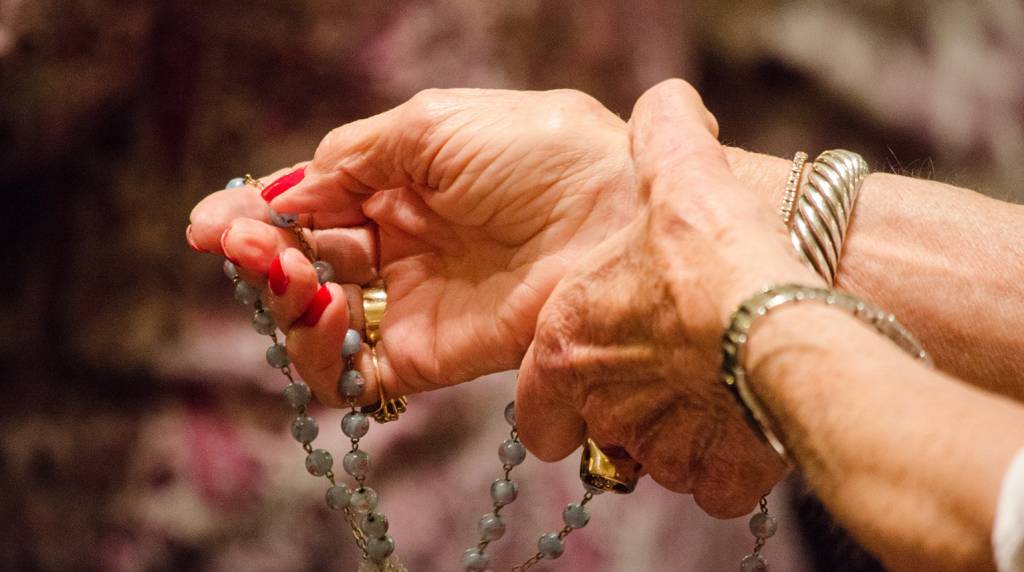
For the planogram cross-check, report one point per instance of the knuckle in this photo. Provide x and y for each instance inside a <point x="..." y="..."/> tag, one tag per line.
<point x="334" y="139"/>
<point x="679" y="86"/>
<point x="556" y="333"/>
<point x="426" y="105"/>
<point x="573" y="97"/>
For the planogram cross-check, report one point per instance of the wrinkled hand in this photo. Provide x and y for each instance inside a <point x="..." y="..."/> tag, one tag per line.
<point x="627" y="348"/>
<point x="483" y="200"/>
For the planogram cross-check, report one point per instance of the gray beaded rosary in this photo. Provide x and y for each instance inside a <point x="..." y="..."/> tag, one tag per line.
<point x="359" y="503"/>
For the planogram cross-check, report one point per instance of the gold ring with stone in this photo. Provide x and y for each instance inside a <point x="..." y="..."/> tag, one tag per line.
<point x="608" y="471"/>
<point x="375" y="304"/>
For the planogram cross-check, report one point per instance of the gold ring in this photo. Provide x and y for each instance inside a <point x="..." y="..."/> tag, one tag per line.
<point x="375" y="304"/>
<point x="613" y="473"/>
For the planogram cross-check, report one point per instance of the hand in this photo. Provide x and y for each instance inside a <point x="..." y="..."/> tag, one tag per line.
<point x="482" y="199"/>
<point x="627" y="348"/>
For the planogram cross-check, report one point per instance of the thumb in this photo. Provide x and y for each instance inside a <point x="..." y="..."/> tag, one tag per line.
<point x="674" y="139"/>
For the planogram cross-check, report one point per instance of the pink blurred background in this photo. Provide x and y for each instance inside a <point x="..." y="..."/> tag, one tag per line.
<point x="141" y="429"/>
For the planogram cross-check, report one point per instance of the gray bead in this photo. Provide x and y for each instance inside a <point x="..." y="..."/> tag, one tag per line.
<point x="377" y="549"/>
<point x="753" y="563"/>
<point x="511" y="452"/>
<point x="356" y="463"/>
<point x="305" y="429"/>
<point x="352" y="344"/>
<point x="504" y="491"/>
<point x="230" y="270"/>
<point x="235" y="183"/>
<point x="491" y="527"/>
<point x="319" y="462"/>
<point x="510" y="413"/>
<point x="297" y="394"/>
<point x="474" y="560"/>
<point x="338" y="496"/>
<point x="277" y="356"/>
<point x="352" y="383"/>
<point x="550" y="546"/>
<point x="575" y="515"/>
<point x="763" y="525"/>
<point x="375" y="525"/>
<point x="246" y="293"/>
<point x="283" y="220"/>
<point x="324" y="271"/>
<point x="263" y="322"/>
<point x="363" y="500"/>
<point x="355" y="424"/>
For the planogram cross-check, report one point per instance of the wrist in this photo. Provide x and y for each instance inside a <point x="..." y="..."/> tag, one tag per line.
<point x="766" y="174"/>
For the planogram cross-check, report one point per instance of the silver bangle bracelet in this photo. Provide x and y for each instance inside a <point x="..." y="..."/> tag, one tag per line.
<point x="823" y="210"/>
<point x="734" y="342"/>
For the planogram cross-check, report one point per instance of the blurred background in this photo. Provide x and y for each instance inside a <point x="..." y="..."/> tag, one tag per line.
<point x="141" y="428"/>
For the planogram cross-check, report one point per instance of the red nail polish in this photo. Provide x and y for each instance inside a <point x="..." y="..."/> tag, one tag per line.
<point x="283" y="183"/>
<point x="316" y="307"/>
<point x="191" y="241"/>
<point x="276" y="277"/>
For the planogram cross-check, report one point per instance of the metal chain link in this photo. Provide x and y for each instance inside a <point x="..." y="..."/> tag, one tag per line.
<point x="529" y="563"/>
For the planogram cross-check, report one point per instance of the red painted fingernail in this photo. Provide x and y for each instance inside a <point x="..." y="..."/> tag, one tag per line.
<point x="283" y="184"/>
<point x="191" y="241"/>
<point x="276" y="277"/>
<point x="316" y="307"/>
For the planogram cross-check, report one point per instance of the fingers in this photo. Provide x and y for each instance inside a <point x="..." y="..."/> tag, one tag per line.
<point x="212" y="216"/>
<point x="314" y="344"/>
<point x="387" y="151"/>
<point x="292" y="285"/>
<point x="674" y="137"/>
<point x="550" y="428"/>
<point x="253" y="245"/>
<point x="215" y="212"/>
<point x="729" y="485"/>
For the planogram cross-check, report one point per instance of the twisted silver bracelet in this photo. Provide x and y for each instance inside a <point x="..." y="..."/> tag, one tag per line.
<point x="734" y="341"/>
<point x="823" y="211"/>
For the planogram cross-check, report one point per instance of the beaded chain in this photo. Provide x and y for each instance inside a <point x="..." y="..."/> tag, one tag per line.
<point x="503" y="491"/>
<point x="359" y="502"/>
<point x="762" y="526"/>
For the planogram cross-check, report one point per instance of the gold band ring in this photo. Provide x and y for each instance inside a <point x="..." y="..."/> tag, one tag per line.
<point x="375" y="304"/>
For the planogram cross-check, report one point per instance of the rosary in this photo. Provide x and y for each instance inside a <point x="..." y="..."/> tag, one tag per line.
<point x="359" y="504"/>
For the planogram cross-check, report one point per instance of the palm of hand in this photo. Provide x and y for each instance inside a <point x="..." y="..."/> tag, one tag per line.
<point x="495" y="213"/>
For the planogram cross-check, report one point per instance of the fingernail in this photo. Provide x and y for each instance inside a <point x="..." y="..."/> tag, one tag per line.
<point x="316" y="307"/>
<point x="191" y="241"/>
<point x="276" y="277"/>
<point x="283" y="183"/>
<point x="223" y="241"/>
